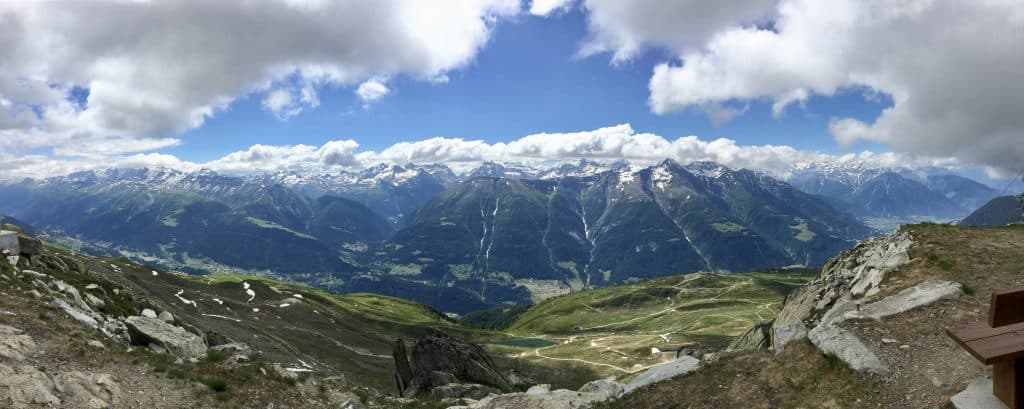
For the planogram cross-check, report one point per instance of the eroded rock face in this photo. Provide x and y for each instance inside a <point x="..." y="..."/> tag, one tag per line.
<point x="465" y="361"/>
<point x="179" y="342"/>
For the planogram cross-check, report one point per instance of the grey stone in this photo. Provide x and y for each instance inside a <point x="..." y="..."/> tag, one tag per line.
<point x="14" y="345"/>
<point x="148" y="313"/>
<point x="463" y="390"/>
<point x="33" y="274"/>
<point x="442" y="378"/>
<point x="25" y="386"/>
<point x="756" y="337"/>
<point x="681" y="366"/>
<point x="782" y="335"/>
<point x="166" y="317"/>
<point x="606" y="387"/>
<point x="468" y="362"/>
<point x="156" y="348"/>
<point x="179" y="342"/>
<point x="978" y="395"/>
<point x="914" y="297"/>
<point x="96" y="344"/>
<point x="847" y="347"/>
<point x="79" y="315"/>
<point x="9" y="242"/>
<point x="538" y="389"/>
<point x="29" y="246"/>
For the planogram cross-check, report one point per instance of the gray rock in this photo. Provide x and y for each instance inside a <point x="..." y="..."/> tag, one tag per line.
<point x="33" y="274"/>
<point x="9" y="242"/>
<point x="148" y="313"/>
<point x="468" y="362"/>
<point x="538" y="389"/>
<point x="86" y="390"/>
<point x="14" y="345"/>
<point x="76" y="313"/>
<point x="978" y="395"/>
<point x="558" y="399"/>
<point x="681" y="366"/>
<point x="96" y="344"/>
<point x="94" y="301"/>
<point x="29" y="246"/>
<point x="843" y="344"/>
<point x="756" y="337"/>
<point x="25" y="386"/>
<point x="914" y="297"/>
<point x="463" y="390"/>
<point x="166" y="317"/>
<point x="232" y="348"/>
<point x="782" y="335"/>
<point x="179" y="342"/>
<point x="157" y="349"/>
<point x="606" y="387"/>
<point x="442" y="378"/>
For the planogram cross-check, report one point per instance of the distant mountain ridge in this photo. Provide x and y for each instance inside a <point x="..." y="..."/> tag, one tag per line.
<point x="1000" y="211"/>
<point x="899" y="193"/>
<point x="635" y="222"/>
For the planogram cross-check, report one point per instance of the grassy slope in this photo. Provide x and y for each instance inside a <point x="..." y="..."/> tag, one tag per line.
<point x="352" y="335"/>
<point x="926" y="374"/>
<point x="618" y="325"/>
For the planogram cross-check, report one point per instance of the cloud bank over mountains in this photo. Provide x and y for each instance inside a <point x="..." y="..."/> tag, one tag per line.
<point x="89" y="84"/>
<point x="620" y="142"/>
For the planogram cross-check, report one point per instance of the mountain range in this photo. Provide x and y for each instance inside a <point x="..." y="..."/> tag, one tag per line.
<point x="499" y="233"/>
<point x="898" y="193"/>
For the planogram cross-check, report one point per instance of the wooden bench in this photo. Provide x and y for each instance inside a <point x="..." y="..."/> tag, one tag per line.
<point x="1000" y="343"/>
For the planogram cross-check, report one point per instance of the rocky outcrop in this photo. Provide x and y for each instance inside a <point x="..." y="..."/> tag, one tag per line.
<point x="914" y="297"/>
<point x="542" y="397"/>
<point x="144" y="331"/>
<point x="24" y="386"/>
<point x="841" y="343"/>
<point x="467" y="362"/>
<point x="681" y="366"/>
<point x="14" y="345"/>
<point x="851" y="276"/>
<point x="758" y="336"/>
<point x="29" y="246"/>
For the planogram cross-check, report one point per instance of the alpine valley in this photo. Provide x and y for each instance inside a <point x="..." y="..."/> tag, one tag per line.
<point x="501" y="233"/>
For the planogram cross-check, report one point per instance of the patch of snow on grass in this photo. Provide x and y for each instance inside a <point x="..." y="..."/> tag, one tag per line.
<point x="184" y="300"/>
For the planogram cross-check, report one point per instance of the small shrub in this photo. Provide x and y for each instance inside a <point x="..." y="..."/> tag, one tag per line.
<point x="216" y="384"/>
<point x="968" y="289"/>
<point x="214" y="356"/>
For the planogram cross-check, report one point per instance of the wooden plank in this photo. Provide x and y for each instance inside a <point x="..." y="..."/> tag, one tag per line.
<point x="981" y="330"/>
<point x="994" y="349"/>
<point x="1008" y="382"/>
<point x="1006" y="307"/>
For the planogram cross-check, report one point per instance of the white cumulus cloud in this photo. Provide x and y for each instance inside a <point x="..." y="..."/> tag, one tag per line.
<point x="372" y="90"/>
<point x="951" y="68"/>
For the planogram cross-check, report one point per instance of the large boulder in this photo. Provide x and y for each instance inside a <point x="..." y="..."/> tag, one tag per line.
<point x="179" y="342"/>
<point x="681" y="366"/>
<point x="844" y="345"/>
<point x="914" y="297"/>
<point x="29" y="246"/>
<point x="439" y="352"/>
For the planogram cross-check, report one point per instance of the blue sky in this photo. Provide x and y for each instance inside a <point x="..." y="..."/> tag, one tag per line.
<point x="204" y="85"/>
<point x="528" y="79"/>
